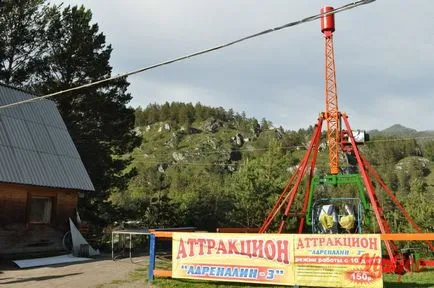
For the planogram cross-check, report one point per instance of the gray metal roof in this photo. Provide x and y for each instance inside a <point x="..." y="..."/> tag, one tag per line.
<point x="35" y="146"/>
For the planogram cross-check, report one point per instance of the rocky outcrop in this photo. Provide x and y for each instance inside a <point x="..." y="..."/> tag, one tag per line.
<point x="162" y="167"/>
<point x="138" y="131"/>
<point x="237" y="140"/>
<point x="413" y="162"/>
<point x="165" y="126"/>
<point x="175" y="138"/>
<point x="279" y="133"/>
<point x="212" y="125"/>
<point x="177" y="156"/>
<point x="256" y="129"/>
<point x="193" y="130"/>
<point x="322" y="147"/>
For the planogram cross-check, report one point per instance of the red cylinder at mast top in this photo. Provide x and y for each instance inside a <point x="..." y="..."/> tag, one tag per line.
<point x="328" y="21"/>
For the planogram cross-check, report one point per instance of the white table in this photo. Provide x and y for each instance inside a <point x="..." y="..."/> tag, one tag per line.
<point x="130" y="233"/>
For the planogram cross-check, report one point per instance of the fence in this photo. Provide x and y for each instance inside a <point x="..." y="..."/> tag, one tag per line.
<point x="153" y="272"/>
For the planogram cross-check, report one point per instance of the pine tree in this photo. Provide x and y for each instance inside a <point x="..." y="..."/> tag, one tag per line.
<point x="45" y="49"/>
<point x="140" y="117"/>
<point x="22" y="41"/>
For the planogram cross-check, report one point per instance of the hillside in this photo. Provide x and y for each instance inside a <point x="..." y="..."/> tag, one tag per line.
<point x="398" y="130"/>
<point x="207" y="167"/>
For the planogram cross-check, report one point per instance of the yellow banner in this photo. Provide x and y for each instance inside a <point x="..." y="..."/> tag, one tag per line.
<point x="332" y="260"/>
<point x="338" y="260"/>
<point x="254" y="258"/>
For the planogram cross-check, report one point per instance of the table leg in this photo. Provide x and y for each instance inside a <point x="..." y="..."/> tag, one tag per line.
<point x="131" y="260"/>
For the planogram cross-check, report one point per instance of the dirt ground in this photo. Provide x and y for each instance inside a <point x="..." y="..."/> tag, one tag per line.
<point x="99" y="273"/>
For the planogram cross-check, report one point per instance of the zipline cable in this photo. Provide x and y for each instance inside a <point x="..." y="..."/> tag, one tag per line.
<point x="291" y="24"/>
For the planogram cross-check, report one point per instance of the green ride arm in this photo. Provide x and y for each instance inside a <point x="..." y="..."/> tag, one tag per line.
<point x="364" y="201"/>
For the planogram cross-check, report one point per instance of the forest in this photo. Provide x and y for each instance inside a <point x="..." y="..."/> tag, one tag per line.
<point x="181" y="164"/>
<point x="208" y="167"/>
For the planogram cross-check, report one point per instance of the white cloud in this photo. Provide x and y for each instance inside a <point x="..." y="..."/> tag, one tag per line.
<point x="383" y="57"/>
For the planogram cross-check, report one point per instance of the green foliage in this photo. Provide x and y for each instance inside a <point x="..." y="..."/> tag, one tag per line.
<point x="428" y="150"/>
<point x="221" y="169"/>
<point x="218" y="183"/>
<point x="180" y="113"/>
<point x="22" y="39"/>
<point x="256" y="185"/>
<point x="46" y="49"/>
<point x="200" y="203"/>
<point x="97" y="118"/>
<point x="385" y="150"/>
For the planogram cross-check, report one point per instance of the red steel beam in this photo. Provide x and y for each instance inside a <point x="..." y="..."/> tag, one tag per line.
<point x="369" y="189"/>
<point x="277" y="204"/>
<point x="407" y="236"/>
<point x="425" y="262"/>
<point x="316" y="134"/>
<point x="284" y="195"/>
<point x="395" y="200"/>
<point x="309" y="182"/>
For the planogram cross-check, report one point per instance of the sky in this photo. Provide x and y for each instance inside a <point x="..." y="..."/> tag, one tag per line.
<point x="384" y="54"/>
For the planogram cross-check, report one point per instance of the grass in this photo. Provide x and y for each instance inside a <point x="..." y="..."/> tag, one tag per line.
<point x="430" y="177"/>
<point x="181" y="283"/>
<point x="423" y="279"/>
<point x="139" y="274"/>
<point x="410" y="280"/>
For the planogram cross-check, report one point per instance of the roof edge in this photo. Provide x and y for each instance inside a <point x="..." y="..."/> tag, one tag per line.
<point x="16" y="88"/>
<point x="48" y="187"/>
<point x="31" y="94"/>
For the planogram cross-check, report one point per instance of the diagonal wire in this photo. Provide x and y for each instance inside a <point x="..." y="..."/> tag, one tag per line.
<point x="291" y="24"/>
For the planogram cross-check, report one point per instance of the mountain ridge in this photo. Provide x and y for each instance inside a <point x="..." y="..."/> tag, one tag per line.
<point x="402" y="131"/>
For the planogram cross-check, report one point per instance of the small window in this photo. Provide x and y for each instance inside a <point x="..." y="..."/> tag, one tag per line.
<point x="40" y="209"/>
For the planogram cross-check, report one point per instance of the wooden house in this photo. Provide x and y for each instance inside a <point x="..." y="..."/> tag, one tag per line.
<point x="41" y="175"/>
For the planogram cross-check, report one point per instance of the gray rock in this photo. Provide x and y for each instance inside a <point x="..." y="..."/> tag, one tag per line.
<point x="239" y="140"/>
<point x="279" y="132"/>
<point x="292" y="169"/>
<point x="193" y="130"/>
<point x="212" y="125"/>
<point x="178" y="156"/>
<point x="410" y="162"/>
<point x="175" y="138"/>
<point x="163" y="167"/>
<point x="256" y="129"/>
<point x="211" y="143"/>
<point x="165" y="126"/>
<point x="170" y="143"/>
<point x="322" y="146"/>
<point x="138" y="131"/>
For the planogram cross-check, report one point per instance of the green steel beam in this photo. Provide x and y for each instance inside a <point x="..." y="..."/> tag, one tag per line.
<point x="334" y="180"/>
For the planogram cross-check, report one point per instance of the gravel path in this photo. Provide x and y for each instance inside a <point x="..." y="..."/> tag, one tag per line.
<point x="102" y="272"/>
